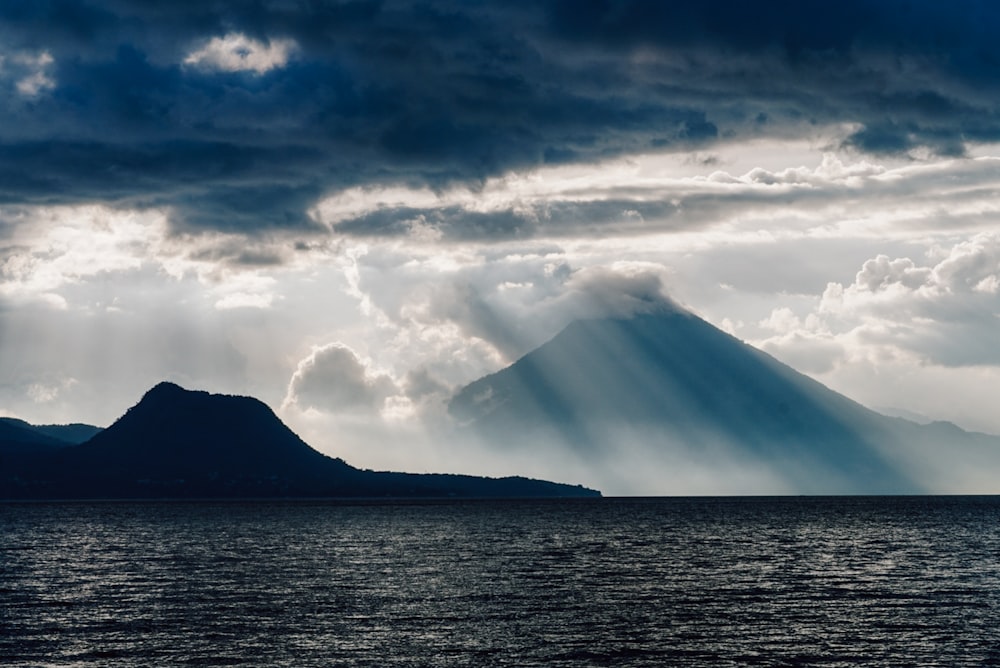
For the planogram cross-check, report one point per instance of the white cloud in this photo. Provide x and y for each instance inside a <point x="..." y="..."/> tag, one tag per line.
<point x="42" y="393"/>
<point x="49" y="251"/>
<point x="831" y="170"/>
<point x="644" y="195"/>
<point x="881" y="273"/>
<point x="900" y="303"/>
<point x="246" y="289"/>
<point x="35" y="84"/>
<point x="804" y="344"/>
<point x="235" y="52"/>
<point x="954" y="286"/>
<point x="30" y="72"/>
<point x="334" y="380"/>
<point x="52" y="247"/>
<point x="244" y="300"/>
<point x="904" y="332"/>
<point x="782" y="320"/>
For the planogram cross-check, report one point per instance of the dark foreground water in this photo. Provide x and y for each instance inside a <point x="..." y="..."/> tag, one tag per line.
<point x="714" y="582"/>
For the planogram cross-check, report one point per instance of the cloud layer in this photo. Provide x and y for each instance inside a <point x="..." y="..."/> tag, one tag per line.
<point x="242" y="117"/>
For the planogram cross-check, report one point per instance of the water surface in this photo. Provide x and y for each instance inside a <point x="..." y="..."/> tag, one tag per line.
<point x="606" y="582"/>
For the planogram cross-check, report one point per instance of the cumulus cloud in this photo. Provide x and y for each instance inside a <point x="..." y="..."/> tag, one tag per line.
<point x="40" y="393"/>
<point x="943" y="309"/>
<point x="333" y="379"/>
<point x="955" y="283"/>
<point x="236" y="52"/>
<point x="881" y="273"/>
<point x="620" y="290"/>
<point x="29" y="72"/>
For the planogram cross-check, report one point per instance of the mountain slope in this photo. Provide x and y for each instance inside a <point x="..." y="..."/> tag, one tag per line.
<point x="74" y="433"/>
<point x="177" y="432"/>
<point x="669" y="390"/>
<point x="177" y="443"/>
<point x="18" y="436"/>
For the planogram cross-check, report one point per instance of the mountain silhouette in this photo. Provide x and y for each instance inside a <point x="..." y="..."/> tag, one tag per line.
<point x="177" y="432"/>
<point x="177" y="443"/>
<point x="20" y="436"/>
<point x="669" y="390"/>
<point x="73" y="434"/>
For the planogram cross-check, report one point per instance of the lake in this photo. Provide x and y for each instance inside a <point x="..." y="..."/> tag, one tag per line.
<point x="837" y="581"/>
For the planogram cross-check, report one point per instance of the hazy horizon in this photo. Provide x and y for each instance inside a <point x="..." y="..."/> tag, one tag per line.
<point x="354" y="209"/>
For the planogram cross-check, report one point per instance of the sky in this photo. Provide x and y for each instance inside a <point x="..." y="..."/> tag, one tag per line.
<point x="352" y="209"/>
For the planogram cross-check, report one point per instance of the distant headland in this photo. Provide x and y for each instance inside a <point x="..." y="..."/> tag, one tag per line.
<point x="177" y="443"/>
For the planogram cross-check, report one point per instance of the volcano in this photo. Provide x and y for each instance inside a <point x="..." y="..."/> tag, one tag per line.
<point x="666" y="403"/>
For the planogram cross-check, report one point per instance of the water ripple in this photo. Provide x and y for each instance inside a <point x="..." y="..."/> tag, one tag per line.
<point x="612" y="582"/>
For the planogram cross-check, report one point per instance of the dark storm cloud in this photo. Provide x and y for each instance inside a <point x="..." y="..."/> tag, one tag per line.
<point x="440" y="93"/>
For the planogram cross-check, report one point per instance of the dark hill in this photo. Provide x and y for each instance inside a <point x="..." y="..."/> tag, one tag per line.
<point x="74" y="433"/>
<point x="175" y="432"/>
<point x="18" y="436"/>
<point x="670" y="390"/>
<point x="177" y="443"/>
